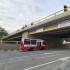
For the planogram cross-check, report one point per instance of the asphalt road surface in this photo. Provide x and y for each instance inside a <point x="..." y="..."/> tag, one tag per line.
<point x="35" y="60"/>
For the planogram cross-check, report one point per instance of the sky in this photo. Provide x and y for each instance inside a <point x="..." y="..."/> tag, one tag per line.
<point x="14" y="14"/>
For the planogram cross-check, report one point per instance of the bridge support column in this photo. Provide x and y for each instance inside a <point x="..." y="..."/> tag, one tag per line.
<point x="55" y="42"/>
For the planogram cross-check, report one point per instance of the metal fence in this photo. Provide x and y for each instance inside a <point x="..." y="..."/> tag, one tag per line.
<point x="9" y="45"/>
<point x="51" y="15"/>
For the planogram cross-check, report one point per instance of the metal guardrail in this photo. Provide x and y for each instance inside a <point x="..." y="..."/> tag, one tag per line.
<point x="1" y="42"/>
<point x="9" y="45"/>
<point x="51" y="15"/>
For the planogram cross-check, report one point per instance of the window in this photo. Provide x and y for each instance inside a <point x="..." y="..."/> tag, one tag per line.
<point x="33" y="42"/>
<point x="26" y="41"/>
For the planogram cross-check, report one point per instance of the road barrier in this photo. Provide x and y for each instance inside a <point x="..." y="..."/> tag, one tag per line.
<point x="9" y="45"/>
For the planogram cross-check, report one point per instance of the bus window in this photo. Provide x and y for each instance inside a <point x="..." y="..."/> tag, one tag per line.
<point x="26" y="41"/>
<point x="44" y="43"/>
<point x="38" y="44"/>
<point x="33" y="42"/>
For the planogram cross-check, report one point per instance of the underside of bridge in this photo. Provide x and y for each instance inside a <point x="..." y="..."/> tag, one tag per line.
<point x="54" y="38"/>
<point x="59" y="33"/>
<point x="15" y="37"/>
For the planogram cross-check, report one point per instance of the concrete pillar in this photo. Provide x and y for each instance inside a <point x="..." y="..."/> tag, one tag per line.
<point x="25" y="35"/>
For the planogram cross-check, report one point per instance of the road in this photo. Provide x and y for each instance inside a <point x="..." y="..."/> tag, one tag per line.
<point x="34" y="60"/>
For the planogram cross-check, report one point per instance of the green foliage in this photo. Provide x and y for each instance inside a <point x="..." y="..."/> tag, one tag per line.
<point x="3" y="32"/>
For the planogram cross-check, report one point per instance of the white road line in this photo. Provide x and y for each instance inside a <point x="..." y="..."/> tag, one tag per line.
<point x="31" y="55"/>
<point x="41" y="54"/>
<point x="63" y="59"/>
<point x="21" y="58"/>
<point x="46" y="63"/>
<point x="47" y="53"/>
<point x="50" y="56"/>
<point x="38" y="54"/>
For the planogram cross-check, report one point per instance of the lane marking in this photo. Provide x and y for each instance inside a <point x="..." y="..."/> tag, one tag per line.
<point x="43" y="54"/>
<point x="38" y="54"/>
<point x="65" y="58"/>
<point x="40" y="65"/>
<point x="48" y="56"/>
<point x="21" y="58"/>
<point x="47" y="53"/>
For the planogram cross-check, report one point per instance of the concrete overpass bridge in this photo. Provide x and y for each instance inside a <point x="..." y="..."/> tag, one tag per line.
<point x="52" y="28"/>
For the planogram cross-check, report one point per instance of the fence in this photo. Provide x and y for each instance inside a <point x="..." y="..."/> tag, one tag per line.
<point x="9" y="45"/>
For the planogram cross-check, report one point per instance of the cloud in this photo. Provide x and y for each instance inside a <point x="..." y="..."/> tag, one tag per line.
<point x="15" y="13"/>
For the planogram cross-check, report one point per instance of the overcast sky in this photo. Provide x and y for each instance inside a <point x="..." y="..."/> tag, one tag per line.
<point x="16" y="13"/>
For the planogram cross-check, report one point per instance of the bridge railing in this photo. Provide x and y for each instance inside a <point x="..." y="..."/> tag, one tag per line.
<point x="52" y="15"/>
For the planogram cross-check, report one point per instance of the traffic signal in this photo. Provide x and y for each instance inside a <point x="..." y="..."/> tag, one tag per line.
<point x="65" y="8"/>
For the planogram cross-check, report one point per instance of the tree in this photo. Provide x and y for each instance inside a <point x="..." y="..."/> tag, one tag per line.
<point x="3" y="32"/>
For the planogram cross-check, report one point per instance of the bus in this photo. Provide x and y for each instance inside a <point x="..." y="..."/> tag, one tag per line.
<point x="32" y="44"/>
